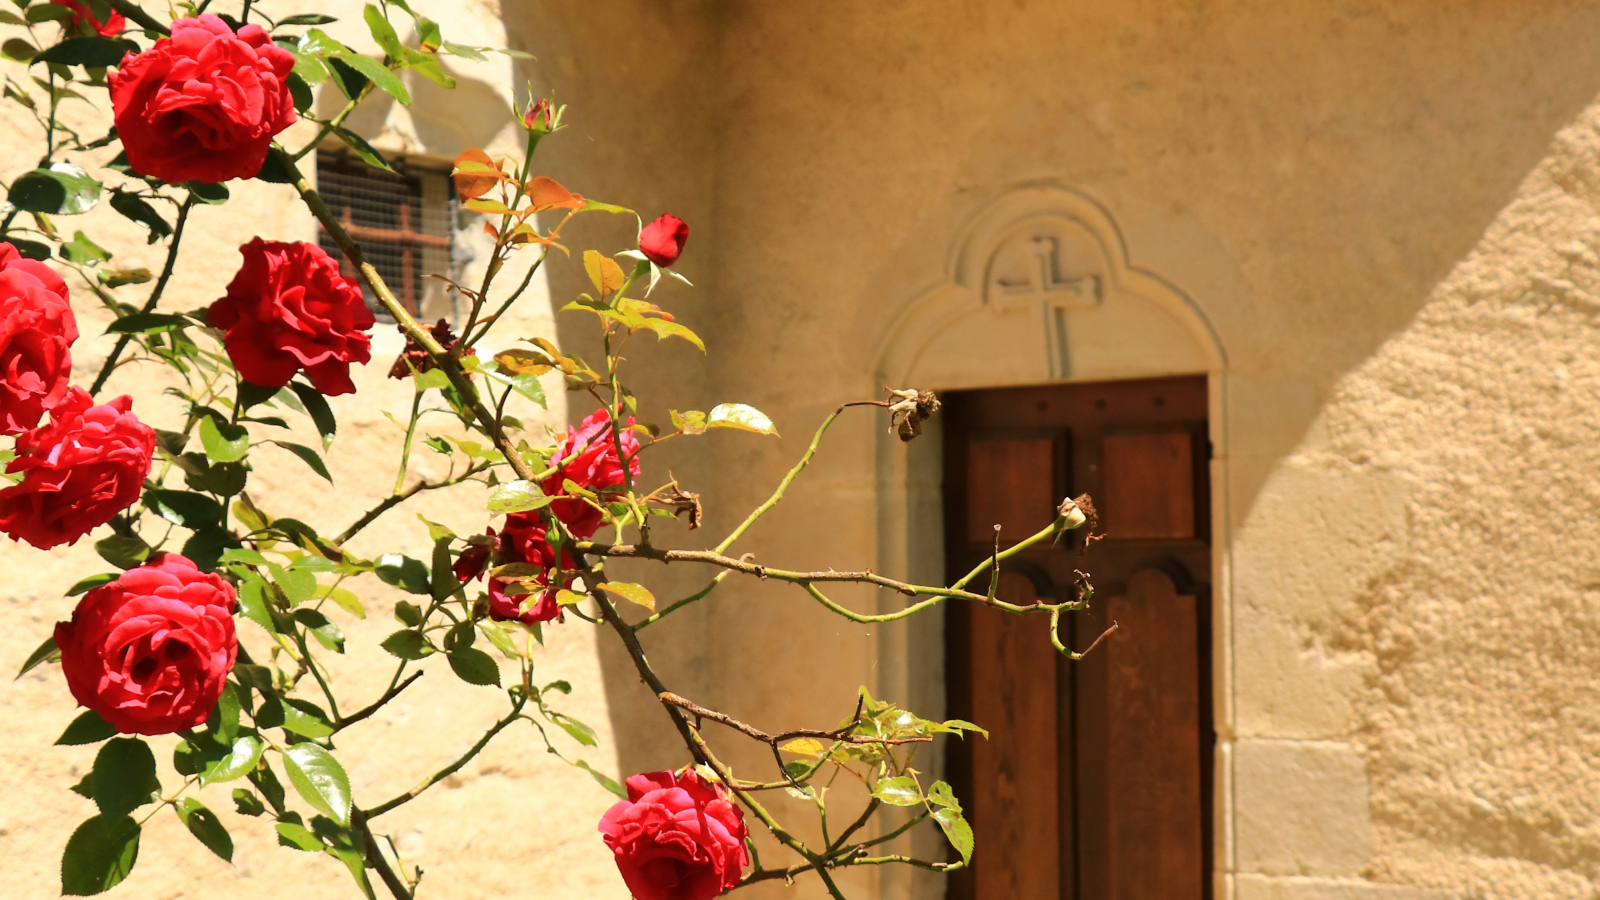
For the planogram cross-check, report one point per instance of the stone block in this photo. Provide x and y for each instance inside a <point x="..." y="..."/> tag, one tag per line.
<point x="1262" y="887"/>
<point x="1300" y="808"/>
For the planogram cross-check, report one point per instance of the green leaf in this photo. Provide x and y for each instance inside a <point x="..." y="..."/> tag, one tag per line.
<point x="99" y="855"/>
<point x="245" y="555"/>
<point x="18" y="49"/>
<point x="408" y="613"/>
<point x="901" y="791"/>
<point x="957" y="830"/>
<point x="474" y="666"/>
<point x="350" y="82"/>
<point x="98" y="52"/>
<point x="148" y="323"/>
<point x="364" y="150"/>
<point x="383" y="32"/>
<point x="305" y="719"/>
<point x="298" y="585"/>
<point x="30" y="249"/>
<point x="316" y="42"/>
<point x="46" y="12"/>
<point x="406" y="645"/>
<point x="203" y="548"/>
<point x="740" y="416"/>
<point x="124" y="776"/>
<point x="88" y="728"/>
<point x="46" y="652"/>
<point x="204" y="825"/>
<point x="240" y="761"/>
<point x="317" y="407"/>
<point x="460" y="636"/>
<point x="191" y="510"/>
<point x="83" y="251"/>
<point x="137" y="210"/>
<point x="300" y="86"/>
<point x="269" y="786"/>
<point x="403" y="572"/>
<point x="444" y="581"/>
<point x="380" y="75"/>
<point x="61" y="190"/>
<point x="222" y="441"/>
<point x="605" y="781"/>
<point x="307" y="456"/>
<point x="326" y="633"/>
<point x="298" y="837"/>
<point x="498" y="637"/>
<point x="517" y="496"/>
<point x="228" y="710"/>
<point x="115" y="278"/>
<point x="92" y="582"/>
<point x="212" y="194"/>
<point x="344" y="598"/>
<point x="247" y="803"/>
<point x="319" y="778"/>
<point x="436" y="532"/>
<point x="635" y="593"/>
<point x="306" y="19"/>
<point x="580" y="732"/>
<point x="253" y="604"/>
<point x="941" y="794"/>
<point x="122" y="552"/>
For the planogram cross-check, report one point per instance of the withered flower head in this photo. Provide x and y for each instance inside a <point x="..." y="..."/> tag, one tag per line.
<point x="910" y="408"/>
<point x="415" y="358"/>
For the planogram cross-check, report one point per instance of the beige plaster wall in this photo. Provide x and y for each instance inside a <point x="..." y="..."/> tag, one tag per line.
<point x="1364" y="202"/>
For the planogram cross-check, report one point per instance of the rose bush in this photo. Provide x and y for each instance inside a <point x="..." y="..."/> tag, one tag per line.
<point x="37" y="330"/>
<point x="588" y="458"/>
<point x="204" y="104"/>
<point x="676" y="837"/>
<point x="209" y="567"/>
<point x="151" y="651"/>
<point x="289" y="309"/>
<point x="88" y="464"/>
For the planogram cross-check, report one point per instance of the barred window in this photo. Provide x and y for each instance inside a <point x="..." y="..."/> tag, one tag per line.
<point x="401" y="219"/>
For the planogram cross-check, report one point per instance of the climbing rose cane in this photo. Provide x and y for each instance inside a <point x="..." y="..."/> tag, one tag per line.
<point x="676" y="837"/>
<point x="662" y="240"/>
<point x="80" y="470"/>
<point x="37" y="329"/>
<point x="204" y="104"/>
<point x="597" y="469"/>
<point x="151" y="651"/>
<point x="288" y="309"/>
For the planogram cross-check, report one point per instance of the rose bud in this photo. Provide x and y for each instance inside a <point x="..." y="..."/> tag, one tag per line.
<point x="37" y="329"/>
<point x="204" y="104"/>
<point x="82" y="16"/>
<point x="288" y="309"/>
<point x="596" y="469"/>
<point x="662" y="240"/>
<point x="676" y="837"/>
<point x="82" y="469"/>
<point x="523" y="541"/>
<point x="539" y="118"/>
<point x="150" y="651"/>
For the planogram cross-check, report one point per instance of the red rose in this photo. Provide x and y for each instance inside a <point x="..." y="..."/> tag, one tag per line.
<point x="113" y="25"/>
<point x="150" y="651"/>
<point x="676" y="838"/>
<point x="37" y="329"/>
<point x="522" y="541"/>
<point x="204" y="104"/>
<point x="82" y="469"/>
<point x="663" y="239"/>
<point x="290" y="309"/>
<point x="596" y="468"/>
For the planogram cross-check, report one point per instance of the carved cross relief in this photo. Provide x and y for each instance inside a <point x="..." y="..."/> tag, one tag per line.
<point x="1027" y="269"/>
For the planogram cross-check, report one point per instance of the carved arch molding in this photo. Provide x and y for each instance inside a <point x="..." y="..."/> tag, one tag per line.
<point x="1039" y="289"/>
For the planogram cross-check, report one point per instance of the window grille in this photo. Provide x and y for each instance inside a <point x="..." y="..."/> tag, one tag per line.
<point x="400" y="219"/>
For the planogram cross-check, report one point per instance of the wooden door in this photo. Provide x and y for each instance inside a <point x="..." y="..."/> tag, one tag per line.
<point x="1095" y="781"/>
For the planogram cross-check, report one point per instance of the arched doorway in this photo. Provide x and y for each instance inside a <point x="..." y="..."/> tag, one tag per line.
<point x="1042" y="304"/>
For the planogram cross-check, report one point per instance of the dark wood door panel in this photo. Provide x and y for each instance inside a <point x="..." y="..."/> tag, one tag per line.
<point x="1095" y="781"/>
<point x="1015" y="772"/>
